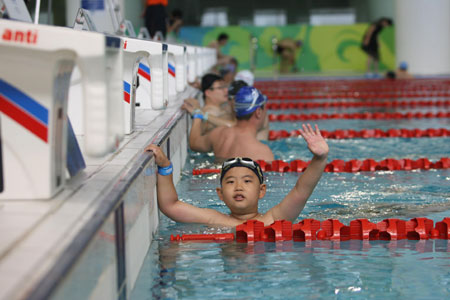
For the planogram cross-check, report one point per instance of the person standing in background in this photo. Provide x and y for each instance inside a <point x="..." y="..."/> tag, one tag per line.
<point x="287" y="49"/>
<point x="174" y="26"/>
<point x="229" y="70"/>
<point x="221" y="41"/>
<point x="155" y="17"/>
<point x="370" y="44"/>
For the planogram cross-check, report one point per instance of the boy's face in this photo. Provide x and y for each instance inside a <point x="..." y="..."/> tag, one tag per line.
<point x="241" y="190"/>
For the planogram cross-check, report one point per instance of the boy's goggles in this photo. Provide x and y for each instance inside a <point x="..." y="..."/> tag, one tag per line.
<point x="242" y="162"/>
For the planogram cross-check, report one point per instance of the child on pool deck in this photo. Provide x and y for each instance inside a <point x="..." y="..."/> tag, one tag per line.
<point x="242" y="185"/>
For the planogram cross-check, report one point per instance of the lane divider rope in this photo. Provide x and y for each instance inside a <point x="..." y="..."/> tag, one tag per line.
<point x="300" y="96"/>
<point x="426" y="82"/>
<point x="362" y="116"/>
<point x="343" y="85"/>
<point x="332" y="229"/>
<point x="351" y="166"/>
<point x="350" y="104"/>
<point x="366" y="133"/>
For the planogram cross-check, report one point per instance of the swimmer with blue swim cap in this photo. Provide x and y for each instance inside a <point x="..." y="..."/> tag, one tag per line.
<point x="403" y="66"/>
<point x="402" y="71"/>
<point x="247" y="100"/>
<point x="240" y="139"/>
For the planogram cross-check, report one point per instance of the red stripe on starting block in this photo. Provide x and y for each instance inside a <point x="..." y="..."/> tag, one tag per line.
<point x="24" y="119"/>
<point x="126" y="97"/>
<point x="144" y="74"/>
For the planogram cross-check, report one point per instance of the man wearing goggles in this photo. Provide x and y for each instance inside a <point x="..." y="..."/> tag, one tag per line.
<point x="241" y="187"/>
<point x="216" y="104"/>
<point x="240" y="139"/>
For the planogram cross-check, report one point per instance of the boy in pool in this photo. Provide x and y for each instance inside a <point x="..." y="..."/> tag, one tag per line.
<point x="242" y="185"/>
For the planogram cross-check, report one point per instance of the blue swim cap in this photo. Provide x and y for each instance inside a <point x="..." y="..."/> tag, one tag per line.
<point x="247" y="100"/>
<point x="403" y="65"/>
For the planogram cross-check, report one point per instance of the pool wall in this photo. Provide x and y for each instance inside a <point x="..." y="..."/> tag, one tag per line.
<point x="91" y="240"/>
<point x="109" y="267"/>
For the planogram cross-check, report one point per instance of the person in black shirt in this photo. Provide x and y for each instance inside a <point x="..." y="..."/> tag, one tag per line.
<point x="370" y="42"/>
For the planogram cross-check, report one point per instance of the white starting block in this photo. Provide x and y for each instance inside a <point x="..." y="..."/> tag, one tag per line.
<point x="191" y="65"/>
<point x="105" y="15"/>
<point x="149" y="60"/>
<point x="36" y="64"/>
<point x="210" y="57"/>
<point x="199" y="68"/>
<point x="176" y="69"/>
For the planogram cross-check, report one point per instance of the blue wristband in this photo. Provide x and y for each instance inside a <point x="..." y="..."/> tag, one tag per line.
<point x="198" y="116"/>
<point x="165" y="170"/>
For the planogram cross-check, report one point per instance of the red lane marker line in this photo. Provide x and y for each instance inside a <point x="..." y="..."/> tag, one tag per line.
<point x="351" y="104"/>
<point x="366" y="133"/>
<point x="361" y="116"/>
<point x="351" y="166"/>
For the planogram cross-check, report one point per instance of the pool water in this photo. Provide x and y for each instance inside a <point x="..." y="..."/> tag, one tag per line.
<point x="319" y="269"/>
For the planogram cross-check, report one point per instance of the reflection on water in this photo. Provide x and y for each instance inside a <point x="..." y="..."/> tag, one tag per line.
<point x="286" y="270"/>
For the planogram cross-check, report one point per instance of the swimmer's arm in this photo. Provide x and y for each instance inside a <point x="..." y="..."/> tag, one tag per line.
<point x="169" y="203"/>
<point x="295" y="201"/>
<point x="190" y="105"/>
<point x="198" y="141"/>
<point x="218" y="121"/>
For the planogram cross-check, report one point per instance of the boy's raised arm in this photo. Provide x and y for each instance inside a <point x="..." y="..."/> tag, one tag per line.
<point x="168" y="201"/>
<point x="295" y="201"/>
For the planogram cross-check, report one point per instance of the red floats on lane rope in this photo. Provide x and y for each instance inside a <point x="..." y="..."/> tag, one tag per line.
<point x="360" y="116"/>
<point x="295" y="95"/>
<point x="305" y="230"/>
<point x="332" y="230"/>
<point x="280" y="230"/>
<point x="250" y="231"/>
<point x="351" y="166"/>
<point x="366" y="133"/>
<point x="354" y="89"/>
<point x="347" y="104"/>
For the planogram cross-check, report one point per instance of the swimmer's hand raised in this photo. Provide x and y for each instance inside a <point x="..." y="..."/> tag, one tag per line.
<point x="160" y="158"/>
<point x="316" y="143"/>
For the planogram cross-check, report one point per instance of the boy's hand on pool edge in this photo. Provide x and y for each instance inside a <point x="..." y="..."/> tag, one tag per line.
<point x="160" y="158"/>
<point x="316" y="143"/>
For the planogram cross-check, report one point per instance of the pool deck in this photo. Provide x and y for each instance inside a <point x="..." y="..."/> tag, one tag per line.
<point x="38" y="235"/>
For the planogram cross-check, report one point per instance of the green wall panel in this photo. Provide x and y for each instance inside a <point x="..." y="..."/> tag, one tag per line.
<point x="325" y="48"/>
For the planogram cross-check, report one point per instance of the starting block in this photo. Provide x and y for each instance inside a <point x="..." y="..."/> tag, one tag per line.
<point x="149" y="60"/>
<point x="176" y="69"/>
<point x="37" y="62"/>
<point x="144" y="60"/>
<point x="191" y="65"/>
<point x="199" y="62"/>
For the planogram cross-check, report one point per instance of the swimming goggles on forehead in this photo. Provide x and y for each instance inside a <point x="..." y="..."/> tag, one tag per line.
<point x="242" y="162"/>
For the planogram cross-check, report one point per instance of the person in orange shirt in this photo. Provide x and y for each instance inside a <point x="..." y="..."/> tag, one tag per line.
<point x="155" y="16"/>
